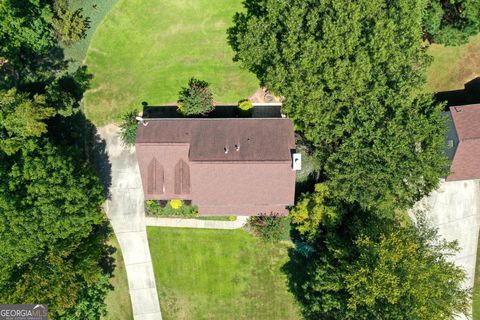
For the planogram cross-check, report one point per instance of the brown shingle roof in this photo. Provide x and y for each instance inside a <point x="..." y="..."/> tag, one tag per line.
<point x="466" y="162"/>
<point x="258" y="178"/>
<point x="256" y="139"/>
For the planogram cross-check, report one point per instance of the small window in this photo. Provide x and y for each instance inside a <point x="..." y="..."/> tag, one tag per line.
<point x="450" y="143"/>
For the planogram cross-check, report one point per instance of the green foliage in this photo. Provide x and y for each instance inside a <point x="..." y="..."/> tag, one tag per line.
<point x="70" y="26"/>
<point x="432" y="18"/>
<point x="451" y="22"/>
<point x="313" y="210"/>
<point x="24" y="29"/>
<point x="350" y="73"/>
<point x="245" y="108"/>
<point x="270" y="228"/>
<point x="50" y="203"/>
<point x="51" y="224"/>
<point x="196" y="99"/>
<point x="167" y="210"/>
<point x="21" y="118"/>
<point x="90" y="305"/>
<point x="128" y="128"/>
<point x="371" y="268"/>
<point x="245" y="105"/>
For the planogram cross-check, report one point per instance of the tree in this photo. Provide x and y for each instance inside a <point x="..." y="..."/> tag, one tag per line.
<point x="451" y="22"/>
<point x="25" y="29"/>
<point x="50" y="204"/>
<point x="313" y="210"/>
<point x="196" y="99"/>
<point x="351" y="74"/>
<point x="128" y="128"/>
<point x="21" y="118"/>
<point x="69" y="25"/>
<point x="371" y="268"/>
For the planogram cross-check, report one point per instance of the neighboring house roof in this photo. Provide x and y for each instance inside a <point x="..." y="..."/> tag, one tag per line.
<point x="186" y="159"/>
<point x="466" y="161"/>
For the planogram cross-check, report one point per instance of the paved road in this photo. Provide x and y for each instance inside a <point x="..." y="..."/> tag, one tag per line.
<point x="126" y="213"/>
<point x="454" y="208"/>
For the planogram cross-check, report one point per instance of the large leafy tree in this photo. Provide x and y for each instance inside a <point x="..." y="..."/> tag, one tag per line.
<point x="351" y="73"/>
<point x="451" y="22"/>
<point x="370" y="268"/>
<point x="49" y="215"/>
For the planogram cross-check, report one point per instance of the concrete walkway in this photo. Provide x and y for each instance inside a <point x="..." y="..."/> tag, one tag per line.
<point x="126" y="214"/>
<point x="454" y="208"/>
<point x="196" y="223"/>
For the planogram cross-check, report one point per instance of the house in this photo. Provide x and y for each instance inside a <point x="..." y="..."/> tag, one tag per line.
<point x="225" y="166"/>
<point x="464" y="142"/>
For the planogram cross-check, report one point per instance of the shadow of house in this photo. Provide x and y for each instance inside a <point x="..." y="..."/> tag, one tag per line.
<point x="220" y="111"/>
<point x="469" y="95"/>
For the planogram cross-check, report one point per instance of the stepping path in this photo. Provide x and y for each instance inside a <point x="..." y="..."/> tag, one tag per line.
<point x="126" y="214"/>
<point x="196" y="223"/>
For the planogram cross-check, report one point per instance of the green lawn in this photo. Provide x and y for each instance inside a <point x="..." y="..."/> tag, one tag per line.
<point x="452" y="67"/>
<point x="118" y="302"/>
<point x="219" y="274"/>
<point x="147" y="50"/>
<point x="476" y="288"/>
<point x="95" y="10"/>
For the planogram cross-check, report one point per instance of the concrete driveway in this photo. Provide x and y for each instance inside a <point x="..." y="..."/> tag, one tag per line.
<point x="126" y="214"/>
<point x="454" y="208"/>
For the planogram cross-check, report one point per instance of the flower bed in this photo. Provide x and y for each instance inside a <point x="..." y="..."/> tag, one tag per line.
<point x="172" y="208"/>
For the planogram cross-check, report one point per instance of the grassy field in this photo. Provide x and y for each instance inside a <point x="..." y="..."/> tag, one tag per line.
<point x="452" y="67"/>
<point x="147" y="50"/>
<point x="95" y="10"/>
<point x="219" y="274"/>
<point x="118" y="302"/>
<point x="476" y="288"/>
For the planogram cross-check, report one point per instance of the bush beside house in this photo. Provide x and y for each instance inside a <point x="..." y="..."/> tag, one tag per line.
<point x="270" y="228"/>
<point x="172" y="208"/>
<point x="195" y="99"/>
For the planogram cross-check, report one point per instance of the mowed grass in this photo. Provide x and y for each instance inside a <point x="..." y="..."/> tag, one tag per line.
<point x="147" y="50"/>
<point x="476" y="287"/>
<point x="452" y="67"/>
<point x="220" y="274"/>
<point x="95" y="10"/>
<point x="118" y="302"/>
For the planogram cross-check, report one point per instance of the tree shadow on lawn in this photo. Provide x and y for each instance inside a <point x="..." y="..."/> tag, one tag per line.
<point x="76" y="131"/>
<point x="296" y="272"/>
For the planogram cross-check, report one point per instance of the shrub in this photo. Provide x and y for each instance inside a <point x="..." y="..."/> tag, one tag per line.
<point x="176" y="203"/>
<point x="128" y="128"/>
<point x="232" y="218"/>
<point x="270" y="228"/>
<point x="245" y="107"/>
<point x="172" y="208"/>
<point x="196" y="99"/>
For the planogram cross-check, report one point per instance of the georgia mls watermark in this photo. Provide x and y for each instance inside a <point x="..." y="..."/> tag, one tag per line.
<point x="23" y="312"/>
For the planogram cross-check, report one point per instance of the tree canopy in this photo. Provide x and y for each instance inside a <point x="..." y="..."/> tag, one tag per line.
<point x="52" y="228"/>
<point x="451" y="22"/>
<point x="371" y="268"/>
<point x="351" y="74"/>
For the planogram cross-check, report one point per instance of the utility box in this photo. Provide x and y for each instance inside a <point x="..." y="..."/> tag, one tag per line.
<point x="297" y="161"/>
